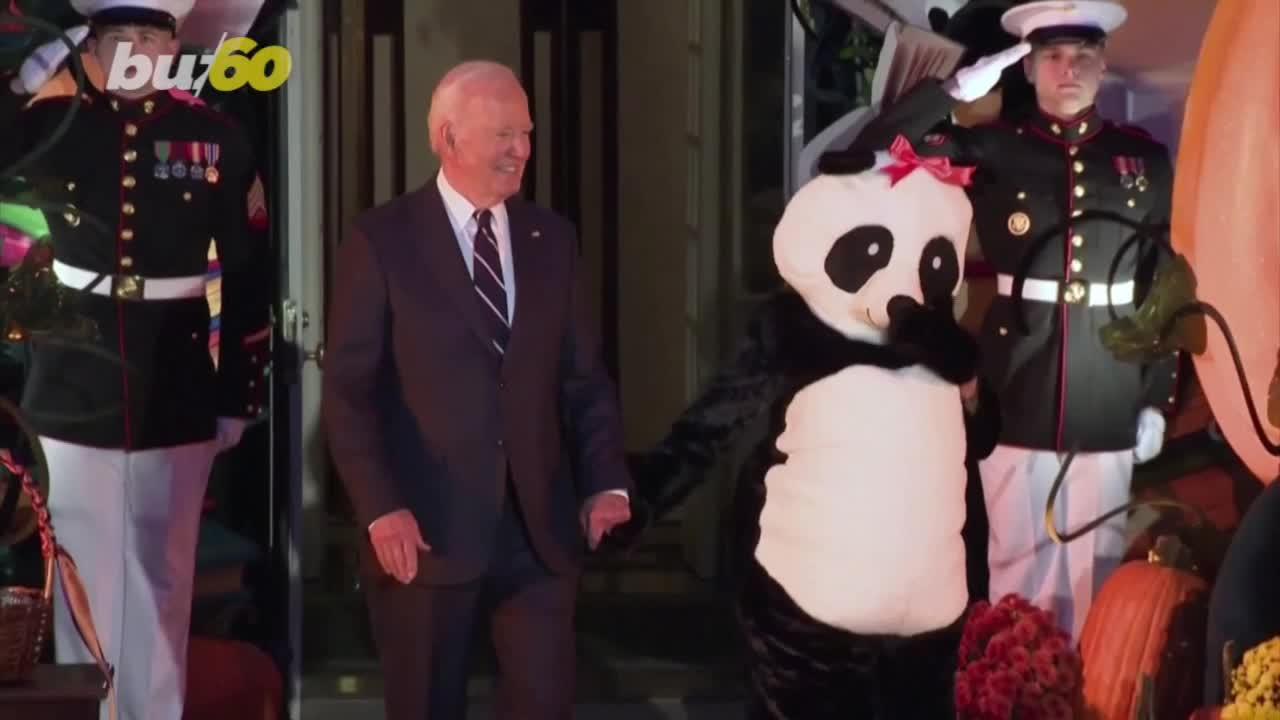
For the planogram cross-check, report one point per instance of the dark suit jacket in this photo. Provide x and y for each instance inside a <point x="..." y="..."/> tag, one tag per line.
<point x="421" y="412"/>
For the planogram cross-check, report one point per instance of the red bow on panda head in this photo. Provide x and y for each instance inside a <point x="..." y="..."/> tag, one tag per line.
<point x="907" y="161"/>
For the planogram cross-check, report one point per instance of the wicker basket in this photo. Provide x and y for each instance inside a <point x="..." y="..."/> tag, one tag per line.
<point x="25" y="613"/>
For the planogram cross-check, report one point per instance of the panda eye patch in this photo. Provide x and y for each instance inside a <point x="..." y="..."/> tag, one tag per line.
<point x="939" y="269"/>
<point x="857" y="255"/>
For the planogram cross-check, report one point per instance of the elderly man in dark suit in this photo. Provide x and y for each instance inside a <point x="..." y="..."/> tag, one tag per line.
<point x="470" y="416"/>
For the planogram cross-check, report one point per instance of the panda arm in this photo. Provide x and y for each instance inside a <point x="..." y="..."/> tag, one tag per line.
<point x="981" y="423"/>
<point x="930" y="336"/>
<point x="918" y="113"/>
<point x="734" y="399"/>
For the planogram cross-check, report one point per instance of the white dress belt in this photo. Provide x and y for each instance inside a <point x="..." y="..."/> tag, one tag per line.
<point x="1076" y="292"/>
<point x="129" y="287"/>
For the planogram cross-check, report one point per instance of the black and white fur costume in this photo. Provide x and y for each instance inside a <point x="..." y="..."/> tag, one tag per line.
<point x="849" y="513"/>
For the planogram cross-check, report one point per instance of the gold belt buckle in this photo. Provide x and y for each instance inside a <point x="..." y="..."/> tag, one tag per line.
<point x="1075" y="292"/>
<point x="127" y="287"/>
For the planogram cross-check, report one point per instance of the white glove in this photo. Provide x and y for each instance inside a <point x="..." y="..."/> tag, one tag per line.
<point x="45" y="62"/>
<point x="1150" y="435"/>
<point x="229" y="431"/>
<point x="976" y="80"/>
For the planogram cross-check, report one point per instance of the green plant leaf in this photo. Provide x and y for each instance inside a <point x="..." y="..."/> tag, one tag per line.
<point x="1137" y="338"/>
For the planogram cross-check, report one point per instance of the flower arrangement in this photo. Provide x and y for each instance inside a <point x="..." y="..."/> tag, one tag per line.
<point x="1015" y="664"/>
<point x="1255" y="685"/>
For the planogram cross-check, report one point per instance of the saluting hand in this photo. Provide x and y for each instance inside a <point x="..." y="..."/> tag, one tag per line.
<point x="396" y="542"/>
<point x="976" y="80"/>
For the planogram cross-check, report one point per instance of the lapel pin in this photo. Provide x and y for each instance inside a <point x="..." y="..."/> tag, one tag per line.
<point x="536" y="233"/>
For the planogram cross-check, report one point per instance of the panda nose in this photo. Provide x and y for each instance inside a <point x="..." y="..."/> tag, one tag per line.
<point x="900" y="305"/>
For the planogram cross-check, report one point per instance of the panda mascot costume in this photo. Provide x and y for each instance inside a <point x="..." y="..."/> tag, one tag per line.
<point x="852" y="587"/>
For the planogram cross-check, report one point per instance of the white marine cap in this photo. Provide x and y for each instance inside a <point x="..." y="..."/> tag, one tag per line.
<point x="161" y="13"/>
<point x="1048" y="20"/>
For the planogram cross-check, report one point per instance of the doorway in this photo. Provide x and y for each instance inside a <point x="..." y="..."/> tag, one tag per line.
<point x="648" y="178"/>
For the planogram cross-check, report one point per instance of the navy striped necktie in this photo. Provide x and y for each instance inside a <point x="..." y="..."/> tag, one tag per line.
<point x="486" y="273"/>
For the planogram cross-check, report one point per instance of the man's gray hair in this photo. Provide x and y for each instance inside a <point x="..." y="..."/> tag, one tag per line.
<point x="450" y="93"/>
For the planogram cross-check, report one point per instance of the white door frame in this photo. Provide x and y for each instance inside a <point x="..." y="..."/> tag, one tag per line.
<point x="301" y="314"/>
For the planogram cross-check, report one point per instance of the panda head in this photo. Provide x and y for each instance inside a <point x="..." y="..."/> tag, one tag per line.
<point x="872" y="235"/>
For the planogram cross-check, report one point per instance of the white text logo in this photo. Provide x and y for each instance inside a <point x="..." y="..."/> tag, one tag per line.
<point x="228" y="68"/>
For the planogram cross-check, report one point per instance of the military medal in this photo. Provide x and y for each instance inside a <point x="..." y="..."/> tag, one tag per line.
<point x="1019" y="224"/>
<point x="1141" y="182"/>
<point x="162" y="158"/>
<point x="211" y="153"/>
<point x="197" y="171"/>
<point x="1122" y="167"/>
<point x="178" y="168"/>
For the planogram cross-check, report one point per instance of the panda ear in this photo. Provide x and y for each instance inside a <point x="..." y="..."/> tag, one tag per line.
<point x="846" y="162"/>
<point x="938" y="19"/>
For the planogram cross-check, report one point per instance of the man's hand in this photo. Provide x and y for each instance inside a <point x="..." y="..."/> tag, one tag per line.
<point x="602" y="513"/>
<point x="396" y="541"/>
<point x="976" y="80"/>
<point x="230" y="429"/>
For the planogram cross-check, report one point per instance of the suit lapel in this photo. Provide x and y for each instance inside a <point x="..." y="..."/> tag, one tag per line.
<point x="435" y="231"/>
<point x="529" y="290"/>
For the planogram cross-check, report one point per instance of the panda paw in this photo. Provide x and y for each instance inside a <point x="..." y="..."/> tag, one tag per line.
<point x="931" y="337"/>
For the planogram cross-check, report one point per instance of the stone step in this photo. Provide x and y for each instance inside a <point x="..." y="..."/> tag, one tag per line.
<point x="655" y="709"/>
<point x="629" y="648"/>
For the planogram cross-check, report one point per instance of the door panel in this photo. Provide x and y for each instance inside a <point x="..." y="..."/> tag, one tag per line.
<point x="568" y="59"/>
<point x="342" y="152"/>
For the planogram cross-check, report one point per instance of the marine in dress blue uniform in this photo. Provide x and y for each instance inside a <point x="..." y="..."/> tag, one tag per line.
<point x="145" y="184"/>
<point x="1058" y="387"/>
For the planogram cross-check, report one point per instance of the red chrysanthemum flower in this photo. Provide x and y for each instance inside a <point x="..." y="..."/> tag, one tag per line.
<point x="1015" y="664"/>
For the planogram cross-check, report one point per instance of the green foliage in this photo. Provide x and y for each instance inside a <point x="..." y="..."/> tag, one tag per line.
<point x="1140" y="338"/>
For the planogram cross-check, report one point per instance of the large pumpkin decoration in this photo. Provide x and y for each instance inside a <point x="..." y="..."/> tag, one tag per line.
<point x="1146" y="627"/>
<point x="1226" y="218"/>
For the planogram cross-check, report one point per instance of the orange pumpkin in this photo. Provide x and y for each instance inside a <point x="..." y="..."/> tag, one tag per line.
<point x="1225" y="216"/>
<point x="1148" y="622"/>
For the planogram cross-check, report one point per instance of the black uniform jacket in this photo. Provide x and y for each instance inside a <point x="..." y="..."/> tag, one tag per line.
<point x="1059" y="387"/>
<point x="140" y="190"/>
